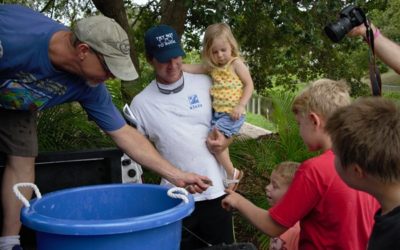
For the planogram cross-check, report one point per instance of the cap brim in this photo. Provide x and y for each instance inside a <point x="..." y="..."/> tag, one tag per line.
<point x="121" y="67"/>
<point x="167" y="55"/>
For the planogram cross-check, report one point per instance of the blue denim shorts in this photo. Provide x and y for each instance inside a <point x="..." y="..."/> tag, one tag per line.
<point x="224" y="123"/>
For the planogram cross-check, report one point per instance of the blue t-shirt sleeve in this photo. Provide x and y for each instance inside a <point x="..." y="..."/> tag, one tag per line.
<point x="100" y="108"/>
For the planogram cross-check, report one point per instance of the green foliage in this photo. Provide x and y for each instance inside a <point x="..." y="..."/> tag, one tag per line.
<point x="289" y="146"/>
<point x="65" y="11"/>
<point x="114" y="87"/>
<point x="147" y="75"/>
<point x="66" y="127"/>
<point x="392" y="95"/>
<point x="387" y="19"/>
<point x="358" y="88"/>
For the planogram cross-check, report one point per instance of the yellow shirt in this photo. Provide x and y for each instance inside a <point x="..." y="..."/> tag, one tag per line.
<point x="227" y="88"/>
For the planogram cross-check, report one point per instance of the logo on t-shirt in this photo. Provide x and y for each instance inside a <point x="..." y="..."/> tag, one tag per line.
<point x="194" y="102"/>
<point x="26" y="92"/>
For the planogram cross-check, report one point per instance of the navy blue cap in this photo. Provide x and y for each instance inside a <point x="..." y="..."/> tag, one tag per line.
<point x="163" y="43"/>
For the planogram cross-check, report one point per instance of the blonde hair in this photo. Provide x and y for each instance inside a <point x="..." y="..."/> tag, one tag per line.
<point x="286" y="170"/>
<point x="323" y="97"/>
<point x="367" y="133"/>
<point x="217" y="30"/>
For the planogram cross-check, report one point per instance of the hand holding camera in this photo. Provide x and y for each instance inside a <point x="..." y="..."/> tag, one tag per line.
<point x="350" y="21"/>
<point x="353" y="22"/>
<point x="349" y="17"/>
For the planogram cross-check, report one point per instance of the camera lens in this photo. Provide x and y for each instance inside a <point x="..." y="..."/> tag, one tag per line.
<point x="336" y="31"/>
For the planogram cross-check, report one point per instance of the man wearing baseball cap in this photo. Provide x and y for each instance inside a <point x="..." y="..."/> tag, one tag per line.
<point x="105" y="36"/>
<point x="174" y="112"/>
<point x="43" y="64"/>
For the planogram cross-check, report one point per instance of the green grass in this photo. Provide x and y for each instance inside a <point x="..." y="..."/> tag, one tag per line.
<point x="259" y="121"/>
<point x="390" y="77"/>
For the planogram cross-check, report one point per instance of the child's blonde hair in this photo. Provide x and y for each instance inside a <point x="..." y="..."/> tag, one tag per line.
<point x="286" y="170"/>
<point x="323" y="97"/>
<point x="218" y="30"/>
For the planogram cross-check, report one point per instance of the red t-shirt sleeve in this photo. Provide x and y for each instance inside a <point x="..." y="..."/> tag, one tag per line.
<point x="301" y="197"/>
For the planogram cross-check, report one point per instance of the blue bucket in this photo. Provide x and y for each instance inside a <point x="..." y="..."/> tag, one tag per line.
<point x="117" y="216"/>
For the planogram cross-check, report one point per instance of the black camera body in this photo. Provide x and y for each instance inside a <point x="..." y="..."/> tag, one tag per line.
<point x="349" y="17"/>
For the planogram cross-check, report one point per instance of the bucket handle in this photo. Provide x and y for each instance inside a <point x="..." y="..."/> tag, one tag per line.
<point x="178" y="193"/>
<point x="21" y="197"/>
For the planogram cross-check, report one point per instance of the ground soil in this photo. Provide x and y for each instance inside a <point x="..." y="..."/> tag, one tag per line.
<point x="252" y="187"/>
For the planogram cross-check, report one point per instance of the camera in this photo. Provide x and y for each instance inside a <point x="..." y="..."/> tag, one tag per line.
<point x="350" y="17"/>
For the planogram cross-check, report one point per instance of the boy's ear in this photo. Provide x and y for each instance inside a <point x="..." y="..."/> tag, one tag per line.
<point x="315" y="119"/>
<point x="358" y="171"/>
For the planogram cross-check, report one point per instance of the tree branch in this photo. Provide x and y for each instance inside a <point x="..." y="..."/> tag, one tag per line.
<point x="50" y="2"/>
<point x="141" y="9"/>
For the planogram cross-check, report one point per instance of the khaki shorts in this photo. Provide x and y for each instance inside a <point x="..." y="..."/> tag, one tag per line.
<point x="18" y="135"/>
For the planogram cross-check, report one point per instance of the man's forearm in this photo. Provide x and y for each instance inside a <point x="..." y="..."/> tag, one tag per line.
<point x="388" y="51"/>
<point x="385" y="49"/>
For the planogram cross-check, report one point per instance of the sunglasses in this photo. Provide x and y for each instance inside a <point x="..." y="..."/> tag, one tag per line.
<point x="170" y="91"/>
<point x="102" y="61"/>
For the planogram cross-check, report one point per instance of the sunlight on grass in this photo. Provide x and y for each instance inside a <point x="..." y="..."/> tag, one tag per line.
<point x="260" y="121"/>
<point x="391" y="77"/>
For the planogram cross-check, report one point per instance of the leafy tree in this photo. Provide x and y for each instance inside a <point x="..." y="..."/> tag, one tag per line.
<point x="388" y="19"/>
<point x="282" y="41"/>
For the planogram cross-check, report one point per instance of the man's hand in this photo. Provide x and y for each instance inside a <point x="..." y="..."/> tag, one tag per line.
<point x="217" y="142"/>
<point x="192" y="182"/>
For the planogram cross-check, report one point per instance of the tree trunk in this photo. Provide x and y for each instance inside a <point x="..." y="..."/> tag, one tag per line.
<point x="173" y="13"/>
<point x="115" y="9"/>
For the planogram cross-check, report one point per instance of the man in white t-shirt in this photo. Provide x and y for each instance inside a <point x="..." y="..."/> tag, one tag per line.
<point x="174" y="112"/>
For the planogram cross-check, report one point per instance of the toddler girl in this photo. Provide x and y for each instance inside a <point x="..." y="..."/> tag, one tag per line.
<point x="231" y="90"/>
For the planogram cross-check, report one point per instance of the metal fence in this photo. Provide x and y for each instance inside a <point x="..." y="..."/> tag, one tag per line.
<point x="259" y="105"/>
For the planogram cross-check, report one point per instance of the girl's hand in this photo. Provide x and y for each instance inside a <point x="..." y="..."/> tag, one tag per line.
<point x="237" y="112"/>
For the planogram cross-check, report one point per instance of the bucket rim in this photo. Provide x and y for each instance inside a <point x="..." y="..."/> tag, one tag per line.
<point x="31" y="218"/>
